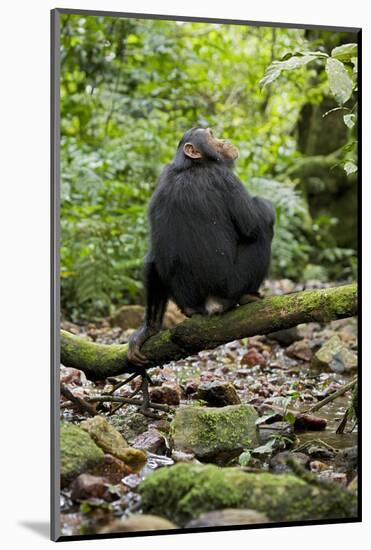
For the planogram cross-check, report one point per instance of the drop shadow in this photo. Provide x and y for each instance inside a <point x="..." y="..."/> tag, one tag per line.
<point x="42" y="528"/>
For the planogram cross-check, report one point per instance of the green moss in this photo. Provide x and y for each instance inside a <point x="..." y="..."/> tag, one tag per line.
<point x="214" y="433"/>
<point x="78" y="452"/>
<point x="96" y="360"/>
<point x="185" y="491"/>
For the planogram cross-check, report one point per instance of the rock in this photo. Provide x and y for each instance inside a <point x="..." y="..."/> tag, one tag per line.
<point x="113" y="469"/>
<point x="112" y="442"/>
<point x="317" y="466"/>
<point x="131" y="424"/>
<point x="180" y="456"/>
<point x="167" y="394"/>
<point x="191" y="387"/>
<point x="285" y="337"/>
<point x="69" y="375"/>
<point x="78" y="452"/>
<point x="300" y="350"/>
<point x="277" y="463"/>
<point x="228" y="516"/>
<point x="252" y="358"/>
<point x="347" y="459"/>
<point x="218" y="393"/>
<point x="210" y="432"/>
<point x="86" y="486"/>
<point x="127" y="317"/>
<point x="267" y="431"/>
<point x="184" y="491"/>
<point x="131" y="316"/>
<point x="151" y="441"/>
<point x="173" y="316"/>
<point x="138" y="523"/>
<point x="335" y="356"/>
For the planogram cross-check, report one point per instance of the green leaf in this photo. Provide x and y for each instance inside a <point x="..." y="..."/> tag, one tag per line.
<point x="268" y="447"/>
<point x="244" y="458"/>
<point x="345" y="52"/>
<point x="289" y="417"/>
<point x="340" y="83"/>
<point x="350" y="168"/>
<point x="350" y="120"/>
<point x="274" y="70"/>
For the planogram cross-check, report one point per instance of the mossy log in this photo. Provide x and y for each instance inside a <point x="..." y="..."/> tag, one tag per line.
<point x="198" y="333"/>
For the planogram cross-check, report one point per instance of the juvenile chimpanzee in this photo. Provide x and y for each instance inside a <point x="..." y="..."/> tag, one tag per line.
<point x="210" y="239"/>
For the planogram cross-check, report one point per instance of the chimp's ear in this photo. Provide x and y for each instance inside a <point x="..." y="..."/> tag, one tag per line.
<point x="190" y="151"/>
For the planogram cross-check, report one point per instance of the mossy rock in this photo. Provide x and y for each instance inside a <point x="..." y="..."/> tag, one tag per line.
<point x="78" y="452"/>
<point x="185" y="491"/>
<point x="214" y="433"/>
<point x="112" y="442"/>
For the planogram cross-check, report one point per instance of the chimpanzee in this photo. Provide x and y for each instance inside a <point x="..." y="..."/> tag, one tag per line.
<point x="210" y="239"/>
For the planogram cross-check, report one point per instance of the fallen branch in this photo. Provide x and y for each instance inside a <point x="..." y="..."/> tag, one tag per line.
<point x="79" y="402"/>
<point x="333" y="396"/>
<point x="99" y="361"/>
<point x="129" y="401"/>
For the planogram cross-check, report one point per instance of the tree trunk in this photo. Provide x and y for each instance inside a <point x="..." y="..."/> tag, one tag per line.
<point x="198" y="333"/>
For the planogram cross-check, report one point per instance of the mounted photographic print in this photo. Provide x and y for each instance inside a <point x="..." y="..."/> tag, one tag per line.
<point x="205" y="214"/>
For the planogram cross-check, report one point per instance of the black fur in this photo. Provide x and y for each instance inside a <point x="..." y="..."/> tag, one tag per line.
<point x="209" y="237"/>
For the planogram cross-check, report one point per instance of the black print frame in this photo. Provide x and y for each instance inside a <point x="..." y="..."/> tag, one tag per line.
<point x="108" y="480"/>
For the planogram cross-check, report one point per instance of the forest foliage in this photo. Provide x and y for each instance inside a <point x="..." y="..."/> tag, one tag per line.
<point x="130" y="88"/>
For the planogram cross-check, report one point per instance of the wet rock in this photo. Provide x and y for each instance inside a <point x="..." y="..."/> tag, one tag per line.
<point x="228" y="516"/>
<point x="151" y="441"/>
<point x="277" y="463"/>
<point x="218" y="393"/>
<point x="300" y="350"/>
<point x="185" y="491"/>
<point x="316" y="448"/>
<point x="330" y="476"/>
<point x="191" y="387"/>
<point x="335" y="356"/>
<point x="138" y="523"/>
<point x="180" y="456"/>
<point x="347" y="459"/>
<point x="130" y="424"/>
<point x="210" y="432"/>
<point x="69" y="375"/>
<point x="86" y="486"/>
<point x="285" y="337"/>
<point x="112" y="442"/>
<point x="78" y="452"/>
<point x="167" y="394"/>
<point x="113" y="469"/>
<point x="253" y="357"/>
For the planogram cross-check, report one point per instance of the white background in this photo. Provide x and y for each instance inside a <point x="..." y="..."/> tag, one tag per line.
<point x="24" y="270"/>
